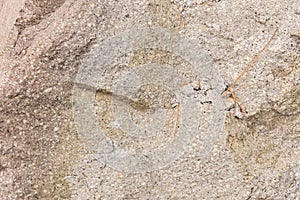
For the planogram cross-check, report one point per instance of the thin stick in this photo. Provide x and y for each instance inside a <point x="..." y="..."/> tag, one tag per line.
<point x="251" y="63"/>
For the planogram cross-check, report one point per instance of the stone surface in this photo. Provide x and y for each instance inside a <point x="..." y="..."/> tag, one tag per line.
<point x="45" y="45"/>
<point x="140" y="100"/>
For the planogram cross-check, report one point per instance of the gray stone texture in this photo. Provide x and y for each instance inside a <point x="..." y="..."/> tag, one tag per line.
<point x="46" y="43"/>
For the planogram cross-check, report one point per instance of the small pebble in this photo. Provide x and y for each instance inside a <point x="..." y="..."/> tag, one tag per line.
<point x="48" y="90"/>
<point x="196" y="85"/>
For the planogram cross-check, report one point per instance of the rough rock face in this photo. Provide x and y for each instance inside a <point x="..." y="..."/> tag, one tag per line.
<point x="45" y="42"/>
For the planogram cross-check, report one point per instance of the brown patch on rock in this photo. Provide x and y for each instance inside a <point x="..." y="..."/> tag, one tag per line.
<point x="267" y="138"/>
<point x="167" y="14"/>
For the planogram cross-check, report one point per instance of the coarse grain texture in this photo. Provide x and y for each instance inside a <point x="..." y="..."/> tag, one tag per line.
<point x="42" y="46"/>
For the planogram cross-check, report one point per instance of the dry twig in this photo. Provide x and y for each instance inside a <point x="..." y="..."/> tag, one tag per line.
<point x="229" y="89"/>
